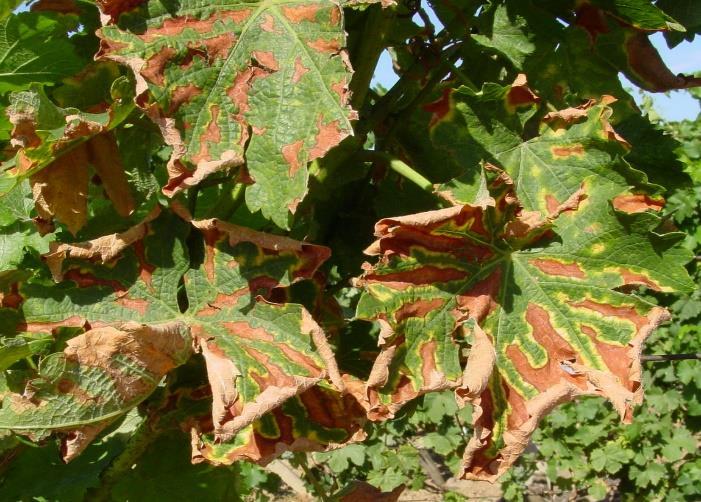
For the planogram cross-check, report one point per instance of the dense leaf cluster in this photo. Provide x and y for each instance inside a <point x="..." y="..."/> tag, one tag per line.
<point x="215" y="232"/>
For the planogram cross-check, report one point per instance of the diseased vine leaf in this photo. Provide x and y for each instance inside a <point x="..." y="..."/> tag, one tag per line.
<point x="100" y="375"/>
<point x="43" y="132"/>
<point x="630" y="51"/>
<point x="57" y="146"/>
<point x="265" y="83"/>
<point x="535" y="278"/>
<point x="259" y="354"/>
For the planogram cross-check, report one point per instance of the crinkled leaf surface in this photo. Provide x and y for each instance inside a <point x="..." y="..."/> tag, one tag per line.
<point x="261" y="82"/>
<point x="258" y="354"/>
<point x="519" y="296"/>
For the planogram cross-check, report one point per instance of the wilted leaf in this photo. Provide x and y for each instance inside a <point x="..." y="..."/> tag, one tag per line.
<point x="43" y="132"/>
<point x="100" y="375"/>
<point x="534" y="279"/>
<point x="255" y="83"/>
<point x="61" y="189"/>
<point x="56" y="146"/>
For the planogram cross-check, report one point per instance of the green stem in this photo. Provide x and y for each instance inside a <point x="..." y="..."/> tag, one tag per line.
<point x="316" y="484"/>
<point x="402" y="168"/>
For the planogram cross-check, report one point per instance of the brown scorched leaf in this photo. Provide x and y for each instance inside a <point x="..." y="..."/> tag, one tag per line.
<point x="517" y="310"/>
<point x="260" y="83"/>
<point x="56" y="146"/>
<point x="99" y="376"/>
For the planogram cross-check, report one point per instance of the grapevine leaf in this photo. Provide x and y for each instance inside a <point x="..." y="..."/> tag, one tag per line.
<point x="506" y="35"/>
<point x="17" y="233"/>
<point x="34" y="49"/>
<point x="7" y="7"/>
<point x="98" y="377"/>
<point x="535" y="278"/>
<point x="640" y="14"/>
<point x="261" y="83"/>
<point x="687" y="13"/>
<point x="61" y="189"/>
<point x="43" y="132"/>
<point x="260" y="356"/>
<point x="629" y="50"/>
<point x="56" y="147"/>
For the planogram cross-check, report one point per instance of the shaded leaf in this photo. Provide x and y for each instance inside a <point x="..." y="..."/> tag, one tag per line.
<point x="34" y="48"/>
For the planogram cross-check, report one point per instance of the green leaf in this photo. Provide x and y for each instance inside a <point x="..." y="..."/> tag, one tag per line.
<point x="507" y="34"/>
<point x="22" y="346"/>
<point x="34" y="48"/>
<point x="650" y="474"/>
<point x="438" y="442"/>
<point x="261" y="83"/>
<point x="641" y="14"/>
<point x="8" y="6"/>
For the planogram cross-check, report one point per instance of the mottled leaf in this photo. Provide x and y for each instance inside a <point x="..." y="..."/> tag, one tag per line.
<point x="259" y="83"/>
<point x="519" y="298"/>
<point x="99" y="376"/>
